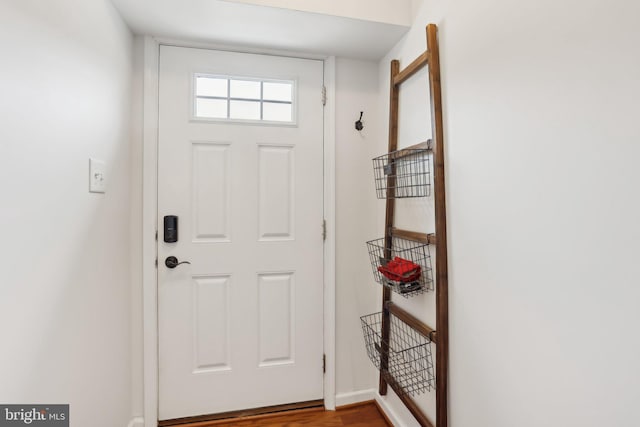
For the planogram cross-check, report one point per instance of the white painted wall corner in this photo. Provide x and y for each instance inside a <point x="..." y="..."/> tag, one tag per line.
<point x="136" y="422"/>
<point x="343" y="399"/>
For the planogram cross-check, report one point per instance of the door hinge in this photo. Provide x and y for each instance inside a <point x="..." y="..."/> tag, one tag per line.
<point x="324" y="230"/>
<point x="156" y="235"/>
<point x="324" y="363"/>
<point x="156" y="262"/>
<point x="324" y="95"/>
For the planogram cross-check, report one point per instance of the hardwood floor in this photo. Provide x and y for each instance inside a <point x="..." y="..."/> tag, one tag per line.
<point x="364" y="414"/>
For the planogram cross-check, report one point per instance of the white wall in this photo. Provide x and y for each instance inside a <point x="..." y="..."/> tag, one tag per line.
<point x="356" y="293"/>
<point x="541" y="106"/>
<point x="64" y="291"/>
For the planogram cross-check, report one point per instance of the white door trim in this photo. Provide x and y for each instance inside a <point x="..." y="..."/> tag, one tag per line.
<point x="330" y="243"/>
<point x="149" y="227"/>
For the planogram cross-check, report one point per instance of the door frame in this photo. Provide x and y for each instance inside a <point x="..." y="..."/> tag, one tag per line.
<point x="150" y="125"/>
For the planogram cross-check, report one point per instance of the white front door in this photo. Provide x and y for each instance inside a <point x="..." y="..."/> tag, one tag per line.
<point x="240" y="166"/>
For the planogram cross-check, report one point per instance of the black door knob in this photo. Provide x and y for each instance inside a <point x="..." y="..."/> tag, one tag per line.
<point x="172" y="262"/>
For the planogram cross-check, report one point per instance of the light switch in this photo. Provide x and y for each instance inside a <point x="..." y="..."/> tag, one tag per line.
<point x="97" y="176"/>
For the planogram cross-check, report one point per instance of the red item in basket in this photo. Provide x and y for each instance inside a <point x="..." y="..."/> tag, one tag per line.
<point x="401" y="270"/>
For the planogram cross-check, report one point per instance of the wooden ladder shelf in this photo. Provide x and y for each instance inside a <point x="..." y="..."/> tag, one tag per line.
<point x="431" y="59"/>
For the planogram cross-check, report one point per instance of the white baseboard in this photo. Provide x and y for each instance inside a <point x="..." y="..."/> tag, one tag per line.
<point x="355" y="397"/>
<point x="388" y="410"/>
<point x="136" y="422"/>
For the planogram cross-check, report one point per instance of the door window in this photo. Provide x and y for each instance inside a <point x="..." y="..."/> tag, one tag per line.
<point x="243" y="99"/>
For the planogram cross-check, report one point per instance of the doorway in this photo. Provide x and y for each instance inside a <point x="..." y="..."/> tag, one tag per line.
<point x="240" y="183"/>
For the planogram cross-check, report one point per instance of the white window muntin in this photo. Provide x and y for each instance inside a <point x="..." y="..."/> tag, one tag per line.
<point x="230" y="100"/>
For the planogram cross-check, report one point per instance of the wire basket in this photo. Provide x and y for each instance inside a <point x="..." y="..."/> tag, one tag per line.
<point x="403" y="173"/>
<point x="407" y="354"/>
<point x="416" y="253"/>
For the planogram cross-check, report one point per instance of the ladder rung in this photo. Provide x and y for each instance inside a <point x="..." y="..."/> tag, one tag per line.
<point x="412" y="68"/>
<point x="412" y="321"/>
<point x="408" y="402"/>
<point x="427" y="239"/>
<point x="426" y="145"/>
<point x="410" y="151"/>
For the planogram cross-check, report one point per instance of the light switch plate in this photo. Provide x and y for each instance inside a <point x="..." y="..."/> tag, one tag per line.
<point x="97" y="176"/>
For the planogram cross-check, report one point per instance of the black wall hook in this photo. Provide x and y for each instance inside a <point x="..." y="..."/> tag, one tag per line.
<point x="359" y="125"/>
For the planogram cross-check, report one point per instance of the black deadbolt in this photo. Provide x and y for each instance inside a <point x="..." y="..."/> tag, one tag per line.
<point x="170" y="229"/>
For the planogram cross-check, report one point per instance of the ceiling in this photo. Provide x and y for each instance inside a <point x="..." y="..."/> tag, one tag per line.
<point x="247" y="25"/>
